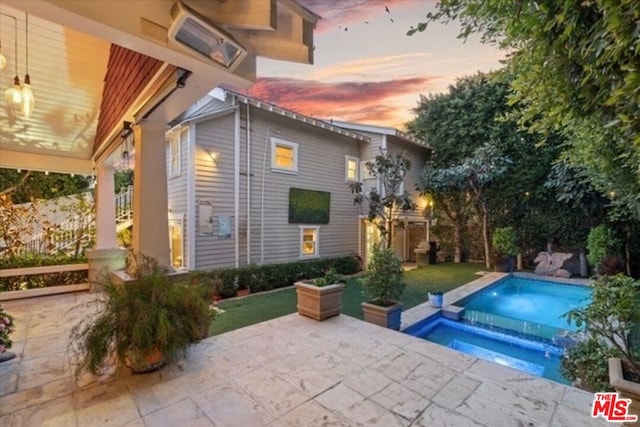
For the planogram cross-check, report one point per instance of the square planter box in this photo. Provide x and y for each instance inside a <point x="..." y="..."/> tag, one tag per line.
<point x="319" y="302"/>
<point x="387" y="317"/>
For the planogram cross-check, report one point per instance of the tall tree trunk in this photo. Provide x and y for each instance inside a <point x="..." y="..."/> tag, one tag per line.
<point x="457" y="241"/>
<point x="485" y="234"/>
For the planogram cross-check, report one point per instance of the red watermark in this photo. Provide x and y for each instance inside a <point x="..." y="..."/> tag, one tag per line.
<point x="612" y="408"/>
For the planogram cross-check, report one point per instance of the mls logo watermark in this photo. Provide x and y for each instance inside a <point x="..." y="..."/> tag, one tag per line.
<point x="612" y="408"/>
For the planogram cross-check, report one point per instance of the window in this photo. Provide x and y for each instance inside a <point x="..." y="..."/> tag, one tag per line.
<point x="174" y="154"/>
<point x="284" y="156"/>
<point x="351" y="169"/>
<point x="176" y="240"/>
<point x="365" y="170"/>
<point x="309" y="242"/>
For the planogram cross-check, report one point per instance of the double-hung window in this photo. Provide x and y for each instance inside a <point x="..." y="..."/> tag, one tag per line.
<point x="351" y="165"/>
<point x="309" y="237"/>
<point x="175" y="153"/>
<point x="284" y="156"/>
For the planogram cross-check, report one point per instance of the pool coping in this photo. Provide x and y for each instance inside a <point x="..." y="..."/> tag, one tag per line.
<point x="424" y="311"/>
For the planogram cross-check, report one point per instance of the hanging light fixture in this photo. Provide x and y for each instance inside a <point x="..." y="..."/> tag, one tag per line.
<point x="28" y="100"/>
<point x="3" y="59"/>
<point x="13" y="95"/>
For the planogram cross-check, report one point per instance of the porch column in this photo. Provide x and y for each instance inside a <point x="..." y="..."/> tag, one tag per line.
<point x="150" y="204"/>
<point x="106" y="256"/>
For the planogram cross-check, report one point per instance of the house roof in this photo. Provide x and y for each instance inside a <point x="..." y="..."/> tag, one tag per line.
<point x="382" y="131"/>
<point x="209" y="106"/>
<point x="297" y="116"/>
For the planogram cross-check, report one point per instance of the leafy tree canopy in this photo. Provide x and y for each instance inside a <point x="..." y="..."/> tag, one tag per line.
<point x="26" y="186"/>
<point x="577" y="73"/>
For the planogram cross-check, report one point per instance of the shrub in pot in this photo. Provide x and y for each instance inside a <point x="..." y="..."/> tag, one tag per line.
<point x="141" y="324"/>
<point x="321" y="298"/>
<point x="384" y="284"/>
<point x="505" y="246"/>
<point x="611" y="319"/>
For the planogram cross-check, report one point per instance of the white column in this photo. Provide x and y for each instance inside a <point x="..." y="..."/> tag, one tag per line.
<point x="150" y="205"/>
<point x="105" y="208"/>
<point x="106" y="256"/>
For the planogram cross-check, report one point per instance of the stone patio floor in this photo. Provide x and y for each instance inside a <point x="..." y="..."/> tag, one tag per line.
<point x="291" y="371"/>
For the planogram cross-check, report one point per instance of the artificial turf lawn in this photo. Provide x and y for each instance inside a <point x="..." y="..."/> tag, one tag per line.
<point x="260" y="307"/>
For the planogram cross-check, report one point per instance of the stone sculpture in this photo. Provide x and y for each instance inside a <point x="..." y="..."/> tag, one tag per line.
<point x="550" y="264"/>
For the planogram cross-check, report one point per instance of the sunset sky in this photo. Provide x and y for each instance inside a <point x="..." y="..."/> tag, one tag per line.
<point x="366" y="68"/>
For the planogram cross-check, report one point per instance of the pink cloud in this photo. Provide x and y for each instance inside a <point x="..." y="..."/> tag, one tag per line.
<point x="366" y="102"/>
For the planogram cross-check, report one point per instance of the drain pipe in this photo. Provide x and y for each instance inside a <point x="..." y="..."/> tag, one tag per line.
<point x="248" y="184"/>
<point x="264" y="168"/>
<point x="236" y="182"/>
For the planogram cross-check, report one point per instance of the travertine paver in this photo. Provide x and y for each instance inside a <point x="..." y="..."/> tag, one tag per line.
<point x="290" y="371"/>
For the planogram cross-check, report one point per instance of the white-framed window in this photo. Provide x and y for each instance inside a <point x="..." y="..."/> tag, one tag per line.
<point x="309" y="241"/>
<point x="176" y="240"/>
<point x="175" y="156"/>
<point x="351" y="168"/>
<point x="364" y="170"/>
<point x="284" y="156"/>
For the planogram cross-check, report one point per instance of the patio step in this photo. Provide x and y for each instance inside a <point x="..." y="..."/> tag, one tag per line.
<point x="496" y="357"/>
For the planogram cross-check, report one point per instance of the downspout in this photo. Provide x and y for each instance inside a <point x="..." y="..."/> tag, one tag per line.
<point x="248" y="184"/>
<point x="236" y="181"/>
<point x="191" y="196"/>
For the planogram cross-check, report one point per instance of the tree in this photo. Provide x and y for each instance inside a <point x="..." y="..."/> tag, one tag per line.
<point x="27" y="186"/>
<point x="456" y="125"/>
<point x="576" y="71"/>
<point x="469" y="178"/>
<point x="385" y="204"/>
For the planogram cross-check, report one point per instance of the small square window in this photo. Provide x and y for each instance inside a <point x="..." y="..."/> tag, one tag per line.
<point x="309" y="242"/>
<point x="284" y="156"/>
<point x="351" y="169"/>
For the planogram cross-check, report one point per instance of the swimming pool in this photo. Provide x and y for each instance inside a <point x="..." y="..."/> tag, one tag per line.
<point x="528" y="300"/>
<point x="515" y="322"/>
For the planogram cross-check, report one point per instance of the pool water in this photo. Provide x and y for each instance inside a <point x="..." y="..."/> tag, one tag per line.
<point x="516" y="322"/>
<point x="535" y="301"/>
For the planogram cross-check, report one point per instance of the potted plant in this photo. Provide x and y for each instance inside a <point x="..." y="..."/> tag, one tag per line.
<point x="436" y="299"/>
<point x="321" y="298"/>
<point x="7" y="326"/>
<point x="384" y="284"/>
<point x="612" y="322"/>
<point x="505" y="245"/>
<point x="142" y="323"/>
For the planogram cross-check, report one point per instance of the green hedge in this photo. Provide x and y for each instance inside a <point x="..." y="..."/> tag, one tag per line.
<point x="33" y="281"/>
<point x="272" y="276"/>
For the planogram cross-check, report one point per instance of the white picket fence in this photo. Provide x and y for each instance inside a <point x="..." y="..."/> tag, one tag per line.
<point x="69" y="232"/>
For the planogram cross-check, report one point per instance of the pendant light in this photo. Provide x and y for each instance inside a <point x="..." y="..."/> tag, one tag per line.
<point x="13" y="95"/>
<point x="28" y="100"/>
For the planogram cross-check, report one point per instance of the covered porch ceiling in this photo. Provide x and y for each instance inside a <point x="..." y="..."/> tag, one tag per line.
<point x="69" y="43"/>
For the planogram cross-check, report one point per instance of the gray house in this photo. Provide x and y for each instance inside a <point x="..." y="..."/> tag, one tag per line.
<point x="252" y="183"/>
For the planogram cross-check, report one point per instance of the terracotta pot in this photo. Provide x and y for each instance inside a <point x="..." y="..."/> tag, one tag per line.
<point x="142" y="365"/>
<point x="388" y="317"/>
<point x="626" y="389"/>
<point x="319" y="302"/>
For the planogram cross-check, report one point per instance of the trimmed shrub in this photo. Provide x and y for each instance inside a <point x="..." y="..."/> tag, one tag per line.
<point x="33" y="281"/>
<point x="602" y="244"/>
<point x="266" y="277"/>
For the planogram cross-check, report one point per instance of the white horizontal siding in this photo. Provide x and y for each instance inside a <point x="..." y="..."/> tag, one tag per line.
<point x="320" y="167"/>
<point x="215" y="186"/>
